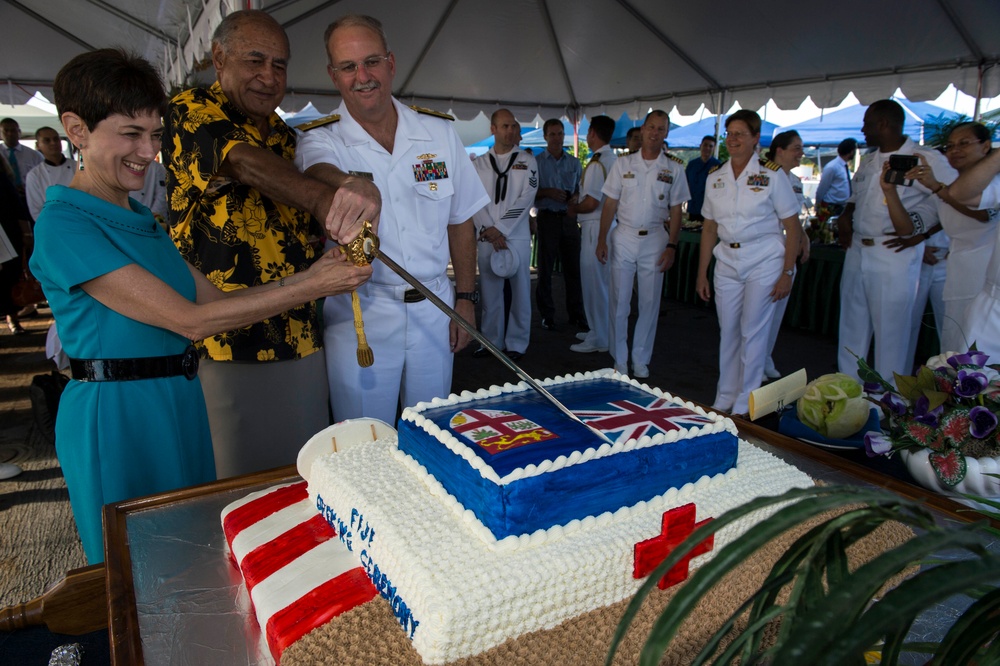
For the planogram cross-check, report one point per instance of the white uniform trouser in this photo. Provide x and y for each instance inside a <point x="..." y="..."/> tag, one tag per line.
<point x="983" y="320"/>
<point x="955" y="327"/>
<point x="772" y="335"/>
<point x="491" y="292"/>
<point x="744" y="280"/>
<point x="877" y="291"/>
<point x="634" y="256"/>
<point x="931" y="286"/>
<point x="410" y="342"/>
<point x="594" y="278"/>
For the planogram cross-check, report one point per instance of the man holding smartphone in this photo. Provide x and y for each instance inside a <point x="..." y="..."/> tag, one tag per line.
<point x="879" y="283"/>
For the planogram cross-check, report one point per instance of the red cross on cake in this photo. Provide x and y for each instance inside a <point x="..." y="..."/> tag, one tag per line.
<point x="678" y="524"/>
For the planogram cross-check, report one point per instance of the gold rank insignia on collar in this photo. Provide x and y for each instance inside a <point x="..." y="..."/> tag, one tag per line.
<point x="768" y="164"/>
<point x="432" y="112"/>
<point x="319" y="122"/>
<point x="675" y="158"/>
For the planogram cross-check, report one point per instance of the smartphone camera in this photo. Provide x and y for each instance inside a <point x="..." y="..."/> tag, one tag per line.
<point x="898" y="166"/>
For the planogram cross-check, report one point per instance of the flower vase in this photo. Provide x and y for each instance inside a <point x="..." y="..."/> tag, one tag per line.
<point x="976" y="481"/>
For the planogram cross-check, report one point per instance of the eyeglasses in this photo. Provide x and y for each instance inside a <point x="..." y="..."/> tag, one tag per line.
<point x="963" y="144"/>
<point x="738" y="135"/>
<point x="371" y="63"/>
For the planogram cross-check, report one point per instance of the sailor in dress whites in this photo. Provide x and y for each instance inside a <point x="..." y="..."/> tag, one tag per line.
<point x="594" y="276"/>
<point x="512" y="176"/>
<point x="879" y="285"/>
<point x="57" y="169"/>
<point x="645" y="190"/>
<point x="430" y="191"/>
<point x="745" y="199"/>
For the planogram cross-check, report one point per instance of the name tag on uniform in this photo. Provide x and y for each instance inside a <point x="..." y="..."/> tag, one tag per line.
<point x="628" y="175"/>
<point x="430" y="171"/>
<point x="520" y="166"/>
<point x="665" y="177"/>
<point x="758" y="180"/>
<point x="367" y="175"/>
<point x="718" y="185"/>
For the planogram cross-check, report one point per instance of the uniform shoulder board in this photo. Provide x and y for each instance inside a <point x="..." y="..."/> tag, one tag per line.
<point x="432" y="112"/>
<point x="319" y="122"/>
<point x="717" y="167"/>
<point x="596" y="157"/>
<point x="675" y="158"/>
<point x="773" y="166"/>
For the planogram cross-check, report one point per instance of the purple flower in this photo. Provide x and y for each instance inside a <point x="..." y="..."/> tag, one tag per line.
<point x="893" y="403"/>
<point x="981" y="422"/>
<point x="872" y="387"/>
<point x="924" y="415"/>
<point x="976" y="358"/>
<point x="877" y="444"/>
<point x="969" y="383"/>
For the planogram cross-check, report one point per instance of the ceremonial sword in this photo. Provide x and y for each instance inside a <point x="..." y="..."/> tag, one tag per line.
<point x="365" y="248"/>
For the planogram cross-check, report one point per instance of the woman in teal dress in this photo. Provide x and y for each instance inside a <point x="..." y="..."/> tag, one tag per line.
<point x="133" y="421"/>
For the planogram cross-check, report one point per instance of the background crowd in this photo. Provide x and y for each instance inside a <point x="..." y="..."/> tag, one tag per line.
<point x="214" y="287"/>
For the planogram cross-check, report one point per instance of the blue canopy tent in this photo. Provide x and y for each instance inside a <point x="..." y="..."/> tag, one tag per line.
<point x="832" y="128"/>
<point x="690" y="136"/>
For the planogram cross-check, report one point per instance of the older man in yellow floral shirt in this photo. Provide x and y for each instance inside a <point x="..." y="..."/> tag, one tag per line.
<point x="243" y="215"/>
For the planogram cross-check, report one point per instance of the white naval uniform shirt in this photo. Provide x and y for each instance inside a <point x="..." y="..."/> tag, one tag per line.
<point x="427" y="183"/>
<point x="971" y="248"/>
<point x="41" y="178"/>
<point x="871" y="214"/>
<point x="646" y="190"/>
<point x="511" y="215"/>
<point x="748" y="208"/>
<point x="594" y="177"/>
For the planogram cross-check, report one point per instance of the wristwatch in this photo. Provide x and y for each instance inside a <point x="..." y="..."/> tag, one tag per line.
<point x="672" y="246"/>
<point x="469" y="296"/>
<point x="790" y="272"/>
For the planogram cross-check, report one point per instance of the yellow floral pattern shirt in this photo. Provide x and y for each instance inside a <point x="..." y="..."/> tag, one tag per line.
<point x="231" y="232"/>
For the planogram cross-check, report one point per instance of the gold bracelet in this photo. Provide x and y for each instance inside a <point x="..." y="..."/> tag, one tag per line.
<point x="938" y="190"/>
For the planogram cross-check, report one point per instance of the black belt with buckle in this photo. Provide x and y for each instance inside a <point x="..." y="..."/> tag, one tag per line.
<point x="867" y="242"/>
<point x="643" y="232"/>
<point x="413" y="296"/>
<point x="734" y="245"/>
<point x="129" y="369"/>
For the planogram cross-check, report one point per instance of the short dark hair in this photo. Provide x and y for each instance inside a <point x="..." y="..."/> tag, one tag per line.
<point x="604" y="127"/>
<point x="749" y="117"/>
<point x="8" y="121"/>
<point x="549" y="123"/>
<point x="42" y="129"/>
<point x="631" y="131"/>
<point x="224" y="32"/>
<point x="890" y="111"/>
<point x="846" y="147"/>
<point x="356" y="20"/>
<point x="781" y="141"/>
<point x="658" y="113"/>
<point x="101" y="83"/>
<point x="709" y="137"/>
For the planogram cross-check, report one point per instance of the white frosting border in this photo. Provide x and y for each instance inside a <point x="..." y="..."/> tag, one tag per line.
<point x="459" y="448"/>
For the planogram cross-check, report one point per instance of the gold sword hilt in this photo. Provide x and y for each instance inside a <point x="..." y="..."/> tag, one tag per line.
<point x="361" y="252"/>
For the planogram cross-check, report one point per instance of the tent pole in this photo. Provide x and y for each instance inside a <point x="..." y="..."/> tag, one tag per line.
<point x="979" y="92"/>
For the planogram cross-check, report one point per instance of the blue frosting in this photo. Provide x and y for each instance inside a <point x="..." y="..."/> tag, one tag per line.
<point x="577" y="491"/>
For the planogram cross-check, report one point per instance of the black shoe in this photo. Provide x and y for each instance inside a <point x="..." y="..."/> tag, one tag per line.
<point x="482" y="352"/>
<point x="581" y="324"/>
<point x="549" y="325"/>
<point x="515" y="355"/>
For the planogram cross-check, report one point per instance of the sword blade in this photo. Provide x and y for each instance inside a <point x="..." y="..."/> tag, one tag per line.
<point x="471" y="330"/>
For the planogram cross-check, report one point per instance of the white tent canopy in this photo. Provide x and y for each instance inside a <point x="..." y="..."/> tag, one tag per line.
<point x="556" y="57"/>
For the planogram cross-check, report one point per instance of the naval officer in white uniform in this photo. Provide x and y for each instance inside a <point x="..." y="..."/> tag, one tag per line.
<point x="745" y="199"/>
<point x="503" y="225"/>
<point x="594" y="275"/>
<point x="430" y="191"/>
<point x="879" y="284"/>
<point x="645" y="190"/>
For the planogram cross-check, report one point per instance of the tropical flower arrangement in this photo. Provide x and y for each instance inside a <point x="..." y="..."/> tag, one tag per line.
<point x="950" y="407"/>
